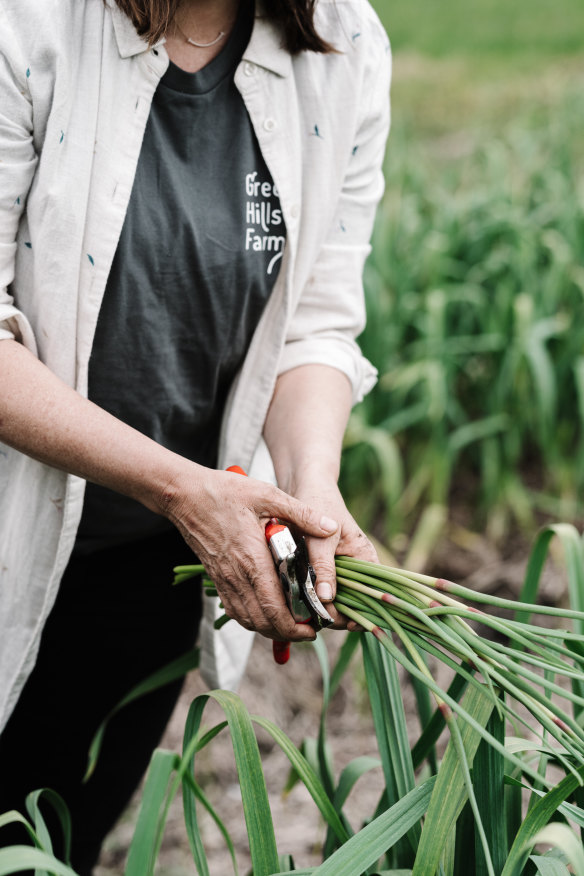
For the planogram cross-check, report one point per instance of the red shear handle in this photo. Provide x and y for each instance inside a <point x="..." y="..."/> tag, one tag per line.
<point x="272" y="527"/>
<point x="280" y="650"/>
<point x="237" y="469"/>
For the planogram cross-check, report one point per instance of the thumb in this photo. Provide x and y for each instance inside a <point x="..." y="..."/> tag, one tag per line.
<point x="309" y="522"/>
<point x="322" y="559"/>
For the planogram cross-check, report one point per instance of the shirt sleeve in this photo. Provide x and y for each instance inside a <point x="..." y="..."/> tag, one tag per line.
<point x="331" y="310"/>
<point x="17" y="166"/>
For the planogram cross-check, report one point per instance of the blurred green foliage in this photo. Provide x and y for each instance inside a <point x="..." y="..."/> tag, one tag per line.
<point x="475" y="286"/>
<point x="494" y="27"/>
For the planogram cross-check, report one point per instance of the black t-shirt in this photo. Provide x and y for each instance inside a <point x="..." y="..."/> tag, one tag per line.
<point x="198" y="256"/>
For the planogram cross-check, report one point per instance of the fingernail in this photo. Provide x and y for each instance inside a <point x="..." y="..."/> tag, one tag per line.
<point x="324" y="590"/>
<point x="328" y="524"/>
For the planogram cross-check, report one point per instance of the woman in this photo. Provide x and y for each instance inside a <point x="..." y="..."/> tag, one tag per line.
<point x="187" y="194"/>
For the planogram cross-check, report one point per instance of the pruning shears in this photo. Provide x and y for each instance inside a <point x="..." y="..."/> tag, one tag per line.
<point x="297" y="578"/>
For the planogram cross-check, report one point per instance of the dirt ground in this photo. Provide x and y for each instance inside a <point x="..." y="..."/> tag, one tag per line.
<point x="291" y="697"/>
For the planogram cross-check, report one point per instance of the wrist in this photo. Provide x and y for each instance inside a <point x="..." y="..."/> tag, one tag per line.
<point x="311" y="476"/>
<point x="165" y="492"/>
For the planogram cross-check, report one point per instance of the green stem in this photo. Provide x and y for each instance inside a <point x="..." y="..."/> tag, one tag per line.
<point x="386" y="642"/>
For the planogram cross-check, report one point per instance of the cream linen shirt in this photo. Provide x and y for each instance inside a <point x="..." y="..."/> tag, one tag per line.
<point x="76" y="84"/>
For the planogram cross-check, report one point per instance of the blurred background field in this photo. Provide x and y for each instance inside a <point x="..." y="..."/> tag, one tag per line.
<point x="475" y="287"/>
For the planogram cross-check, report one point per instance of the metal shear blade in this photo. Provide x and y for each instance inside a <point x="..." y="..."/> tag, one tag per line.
<point x="298" y="579"/>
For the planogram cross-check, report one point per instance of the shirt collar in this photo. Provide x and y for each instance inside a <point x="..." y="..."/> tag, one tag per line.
<point x="129" y="42"/>
<point x="264" y="48"/>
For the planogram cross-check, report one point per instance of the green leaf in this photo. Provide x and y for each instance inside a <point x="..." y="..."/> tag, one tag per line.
<point x="449" y="857"/>
<point x="389" y="688"/>
<point x="393" y="873"/>
<point x="256" y="807"/>
<point x="516" y="744"/>
<point x="450" y="791"/>
<point x="561" y="836"/>
<point x="568" y="810"/>
<point x="325" y="766"/>
<point x="59" y="806"/>
<point x="573" y="551"/>
<point x="309" y="871"/>
<point x="14" y="817"/>
<point x="15" y="859"/>
<point x="364" y="849"/>
<point x="379" y="712"/>
<point x="425" y="712"/>
<point x="549" y="866"/>
<point x="308" y="748"/>
<point x="513" y="809"/>
<point x="205" y="802"/>
<point x="346" y="652"/>
<point x="436" y="724"/>
<point x="143" y="848"/>
<point x="171" y="672"/>
<point x="392" y="737"/>
<point x="537" y="817"/>
<point x="351" y="774"/>
<point x="489" y="787"/>
<point x="190" y="797"/>
<point x="464" y="842"/>
<point x="191" y="793"/>
<point x="307" y="775"/>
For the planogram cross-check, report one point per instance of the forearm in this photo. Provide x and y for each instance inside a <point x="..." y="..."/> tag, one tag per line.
<point x="304" y="432"/>
<point x="222" y="516"/>
<point x="305" y="424"/>
<point x="46" y="419"/>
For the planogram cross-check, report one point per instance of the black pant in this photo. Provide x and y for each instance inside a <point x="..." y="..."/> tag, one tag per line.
<point x="116" y="620"/>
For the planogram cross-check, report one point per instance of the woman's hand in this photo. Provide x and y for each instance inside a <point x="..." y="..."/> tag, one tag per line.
<point x="306" y="451"/>
<point x="348" y="540"/>
<point x="223" y="516"/>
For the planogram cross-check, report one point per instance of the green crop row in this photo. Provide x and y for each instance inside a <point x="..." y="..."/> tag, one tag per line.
<point x="475" y="295"/>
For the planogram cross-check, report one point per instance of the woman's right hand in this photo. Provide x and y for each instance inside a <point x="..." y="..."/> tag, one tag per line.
<point x="223" y="516"/>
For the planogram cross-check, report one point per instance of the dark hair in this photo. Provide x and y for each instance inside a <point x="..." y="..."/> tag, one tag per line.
<point x="295" y="18"/>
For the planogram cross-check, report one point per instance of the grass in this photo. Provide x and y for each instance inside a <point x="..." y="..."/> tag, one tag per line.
<point x="486" y="27"/>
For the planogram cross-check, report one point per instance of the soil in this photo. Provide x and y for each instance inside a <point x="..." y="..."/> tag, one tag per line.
<point x="291" y="697"/>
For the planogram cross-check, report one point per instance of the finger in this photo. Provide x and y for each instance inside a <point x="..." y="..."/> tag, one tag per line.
<point x="265" y="600"/>
<point x="281" y="624"/>
<point x="340" y="621"/>
<point x="322" y="560"/>
<point x="234" y="576"/>
<point x="234" y="605"/>
<point x="309" y="521"/>
<point x="358" y="546"/>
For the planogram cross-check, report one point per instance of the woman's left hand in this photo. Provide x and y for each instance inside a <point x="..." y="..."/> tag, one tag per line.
<point x="306" y="452"/>
<point x="348" y="540"/>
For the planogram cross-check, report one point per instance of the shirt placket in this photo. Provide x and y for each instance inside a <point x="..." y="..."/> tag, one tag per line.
<point x="266" y="95"/>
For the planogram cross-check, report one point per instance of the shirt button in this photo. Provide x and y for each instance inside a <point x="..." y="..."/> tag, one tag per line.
<point x="249" y="69"/>
<point x="295" y="211"/>
<point x="269" y="125"/>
